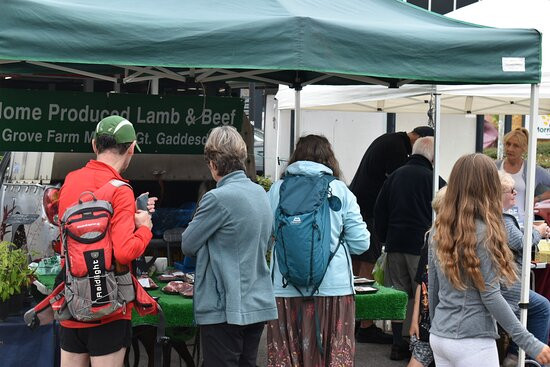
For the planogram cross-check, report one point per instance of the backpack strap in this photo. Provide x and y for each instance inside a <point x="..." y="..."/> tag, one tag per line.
<point x="107" y="191"/>
<point x="329" y="179"/>
<point x="340" y="242"/>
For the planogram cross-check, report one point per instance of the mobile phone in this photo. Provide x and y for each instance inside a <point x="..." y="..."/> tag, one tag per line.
<point x="141" y="202"/>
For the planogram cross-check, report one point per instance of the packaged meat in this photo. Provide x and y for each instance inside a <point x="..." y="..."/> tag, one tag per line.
<point x="173" y="274"/>
<point x="147" y="282"/>
<point x="187" y="290"/>
<point x="365" y="289"/>
<point x="167" y="277"/>
<point x="362" y="281"/>
<point x="174" y="286"/>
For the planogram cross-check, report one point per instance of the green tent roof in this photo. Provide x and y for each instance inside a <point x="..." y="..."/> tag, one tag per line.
<point x="289" y="41"/>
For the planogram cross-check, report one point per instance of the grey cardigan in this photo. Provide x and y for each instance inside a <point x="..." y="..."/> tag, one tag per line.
<point x="229" y="236"/>
<point x="542" y="176"/>
<point x="471" y="313"/>
<point x="512" y="294"/>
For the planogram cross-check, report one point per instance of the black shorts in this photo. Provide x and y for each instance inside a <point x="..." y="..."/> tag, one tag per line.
<point x="97" y="341"/>
<point x="375" y="247"/>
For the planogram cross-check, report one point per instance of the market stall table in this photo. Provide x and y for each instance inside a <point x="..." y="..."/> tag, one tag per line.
<point x="385" y="304"/>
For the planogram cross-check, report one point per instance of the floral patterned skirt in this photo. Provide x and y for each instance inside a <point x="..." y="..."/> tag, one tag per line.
<point x="292" y="338"/>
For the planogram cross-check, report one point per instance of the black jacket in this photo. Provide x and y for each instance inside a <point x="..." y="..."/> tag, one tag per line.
<point x="386" y="153"/>
<point x="403" y="211"/>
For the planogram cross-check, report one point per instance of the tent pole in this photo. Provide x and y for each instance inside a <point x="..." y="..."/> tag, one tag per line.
<point x="297" y="115"/>
<point x="437" y="135"/>
<point x="277" y="136"/>
<point x="155" y="86"/>
<point x="529" y="203"/>
<point x="500" y="144"/>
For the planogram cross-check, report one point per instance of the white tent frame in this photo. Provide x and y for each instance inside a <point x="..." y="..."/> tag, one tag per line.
<point x="203" y="75"/>
<point x="530" y="189"/>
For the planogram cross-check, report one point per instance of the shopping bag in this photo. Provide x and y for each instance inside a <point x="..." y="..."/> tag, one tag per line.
<point x="378" y="270"/>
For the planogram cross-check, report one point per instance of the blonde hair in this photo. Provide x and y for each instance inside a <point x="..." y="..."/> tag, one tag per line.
<point x="438" y="199"/>
<point x="226" y="149"/>
<point x="473" y="192"/>
<point x="506" y="180"/>
<point x="521" y="134"/>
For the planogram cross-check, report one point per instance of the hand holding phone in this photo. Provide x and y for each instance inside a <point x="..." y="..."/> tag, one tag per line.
<point x="141" y="202"/>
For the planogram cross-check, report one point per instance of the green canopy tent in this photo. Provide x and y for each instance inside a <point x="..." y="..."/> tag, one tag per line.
<point x="289" y="42"/>
<point x="295" y="43"/>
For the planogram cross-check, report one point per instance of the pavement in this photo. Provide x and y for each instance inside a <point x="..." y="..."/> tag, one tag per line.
<point x="366" y="355"/>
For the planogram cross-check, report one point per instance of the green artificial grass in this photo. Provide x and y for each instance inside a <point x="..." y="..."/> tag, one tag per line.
<point x="386" y="304"/>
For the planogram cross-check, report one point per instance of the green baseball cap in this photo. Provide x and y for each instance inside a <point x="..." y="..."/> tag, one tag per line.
<point x="119" y="128"/>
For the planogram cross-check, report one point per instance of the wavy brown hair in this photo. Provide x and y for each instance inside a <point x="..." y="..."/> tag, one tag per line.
<point x="316" y="148"/>
<point x="473" y="192"/>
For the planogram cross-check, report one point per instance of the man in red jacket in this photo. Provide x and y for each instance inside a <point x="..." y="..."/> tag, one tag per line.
<point x="104" y="343"/>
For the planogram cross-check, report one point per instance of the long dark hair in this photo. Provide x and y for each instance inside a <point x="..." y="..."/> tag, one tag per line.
<point x="316" y="148"/>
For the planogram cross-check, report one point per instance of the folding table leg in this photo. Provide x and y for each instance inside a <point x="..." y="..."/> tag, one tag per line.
<point x="183" y="352"/>
<point x="166" y="354"/>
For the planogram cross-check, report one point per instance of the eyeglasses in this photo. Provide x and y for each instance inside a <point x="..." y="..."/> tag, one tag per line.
<point x="513" y="191"/>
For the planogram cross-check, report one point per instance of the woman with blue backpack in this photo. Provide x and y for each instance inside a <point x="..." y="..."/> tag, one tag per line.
<point x="317" y="225"/>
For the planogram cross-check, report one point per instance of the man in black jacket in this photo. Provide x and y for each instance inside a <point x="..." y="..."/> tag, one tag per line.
<point x="386" y="153"/>
<point x="402" y="216"/>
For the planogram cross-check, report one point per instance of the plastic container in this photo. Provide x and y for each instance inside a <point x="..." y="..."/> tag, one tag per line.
<point x="187" y="265"/>
<point x="543" y="209"/>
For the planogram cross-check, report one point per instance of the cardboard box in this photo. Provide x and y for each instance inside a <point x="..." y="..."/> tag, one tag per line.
<point x="543" y="253"/>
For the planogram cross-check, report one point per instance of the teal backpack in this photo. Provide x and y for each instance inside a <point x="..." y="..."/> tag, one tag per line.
<point x="302" y="230"/>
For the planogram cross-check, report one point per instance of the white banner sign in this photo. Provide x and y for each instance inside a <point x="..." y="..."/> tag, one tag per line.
<point x="543" y="127"/>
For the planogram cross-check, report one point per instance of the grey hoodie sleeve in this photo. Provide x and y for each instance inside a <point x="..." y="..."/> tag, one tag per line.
<point x="499" y="309"/>
<point x="433" y="284"/>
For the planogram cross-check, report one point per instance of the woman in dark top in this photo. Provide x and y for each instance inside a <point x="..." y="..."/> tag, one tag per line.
<point x="419" y="331"/>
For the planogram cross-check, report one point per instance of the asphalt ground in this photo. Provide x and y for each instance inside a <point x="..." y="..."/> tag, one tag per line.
<point x="366" y="355"/>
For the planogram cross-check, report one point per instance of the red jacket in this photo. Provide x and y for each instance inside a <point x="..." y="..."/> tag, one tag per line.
<point x="129" y="243"/>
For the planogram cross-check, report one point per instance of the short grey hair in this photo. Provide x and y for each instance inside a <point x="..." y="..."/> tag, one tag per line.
<point x="424" y="147"/>
<point x="226" y="149"/>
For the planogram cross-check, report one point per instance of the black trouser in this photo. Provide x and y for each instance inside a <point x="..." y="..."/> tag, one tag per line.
<point x="225" y="345"/>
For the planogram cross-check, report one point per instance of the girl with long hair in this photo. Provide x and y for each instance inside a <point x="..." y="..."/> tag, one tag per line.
<point x="468" y="259"/>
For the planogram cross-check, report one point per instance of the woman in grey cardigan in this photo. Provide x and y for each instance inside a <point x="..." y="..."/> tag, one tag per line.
<point x="468" y="258"/>
<point x="228" y="235"/>
<point x="538" y="312"/>
<point x="516" y="142"/>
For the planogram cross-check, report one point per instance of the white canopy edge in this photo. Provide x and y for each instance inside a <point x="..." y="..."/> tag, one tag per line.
<point x="455" y="99"/>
